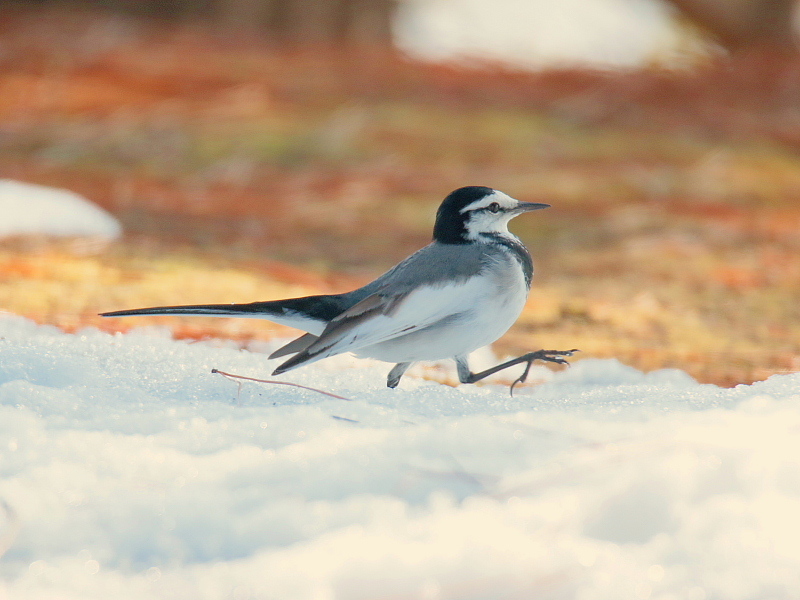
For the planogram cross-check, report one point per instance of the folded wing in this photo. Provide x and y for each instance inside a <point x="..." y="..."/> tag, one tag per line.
<point x="382" y="317"/>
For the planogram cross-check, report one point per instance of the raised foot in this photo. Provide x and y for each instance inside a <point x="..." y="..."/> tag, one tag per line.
<point x="555" y="356"/>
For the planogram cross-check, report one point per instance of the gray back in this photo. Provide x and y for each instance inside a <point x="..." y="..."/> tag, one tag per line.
<point x="434" y="264"/>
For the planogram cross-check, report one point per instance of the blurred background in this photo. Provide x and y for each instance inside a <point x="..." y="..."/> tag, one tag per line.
<point x="255" y="149"/>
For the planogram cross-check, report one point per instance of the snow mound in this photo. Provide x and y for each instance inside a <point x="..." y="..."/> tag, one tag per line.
<point x="30" y="209"/>
<point x="129" y="471"/>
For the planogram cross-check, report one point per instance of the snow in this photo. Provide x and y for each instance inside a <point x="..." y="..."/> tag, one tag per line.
<point x="31" y="209"/>
<point x="541" y="33"/>
<point x="130" y="471"/>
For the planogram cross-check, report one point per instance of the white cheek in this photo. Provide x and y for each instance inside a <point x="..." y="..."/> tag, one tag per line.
<point x="487" y="223"/>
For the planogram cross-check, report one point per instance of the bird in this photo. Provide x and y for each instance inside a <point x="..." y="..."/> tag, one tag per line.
<point x="459" y="293"/>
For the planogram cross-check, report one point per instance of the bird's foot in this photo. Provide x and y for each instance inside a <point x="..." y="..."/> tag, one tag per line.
<point x="555" y="356"/>
<point x="396" y="373"/>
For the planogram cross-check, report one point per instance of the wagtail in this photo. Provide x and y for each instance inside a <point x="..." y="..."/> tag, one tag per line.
<point x="459" y="293"/>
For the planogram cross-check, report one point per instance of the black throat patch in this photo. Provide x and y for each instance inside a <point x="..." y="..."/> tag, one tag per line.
<point x="517" y="249"/>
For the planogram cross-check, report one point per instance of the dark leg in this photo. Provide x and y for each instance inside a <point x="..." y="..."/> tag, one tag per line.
<point x="396" y="373"/>
<point x="467" y="376"/>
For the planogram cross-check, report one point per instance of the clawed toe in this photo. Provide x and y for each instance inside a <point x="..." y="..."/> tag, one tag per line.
<point x="554" y="356"/>
<point x="520" y="379"/>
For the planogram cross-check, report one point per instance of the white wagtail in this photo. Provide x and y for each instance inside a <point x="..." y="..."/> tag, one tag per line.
<point x="459" y="293"/>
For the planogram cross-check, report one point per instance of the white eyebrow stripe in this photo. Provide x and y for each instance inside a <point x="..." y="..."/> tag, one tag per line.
<point x="482" y="203"/>
<point x="499" y="197"/>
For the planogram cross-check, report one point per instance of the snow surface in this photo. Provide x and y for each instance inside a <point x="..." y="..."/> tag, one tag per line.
<point x="129" y="471"/>
<point x="541" y="33"/>
<point x="30" y="209"/>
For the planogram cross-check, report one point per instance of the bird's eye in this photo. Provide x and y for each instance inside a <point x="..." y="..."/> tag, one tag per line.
<point x="493" y="207"/>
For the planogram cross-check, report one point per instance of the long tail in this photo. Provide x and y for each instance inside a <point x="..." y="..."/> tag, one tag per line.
<point x="310" y="313"/>
<point x="254" y="310"/>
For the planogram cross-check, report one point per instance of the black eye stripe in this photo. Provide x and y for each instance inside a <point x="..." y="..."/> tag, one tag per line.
<point x="494" y="207"/>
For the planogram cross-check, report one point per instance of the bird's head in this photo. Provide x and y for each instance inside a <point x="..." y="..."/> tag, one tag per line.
<point x="470" y="211"/>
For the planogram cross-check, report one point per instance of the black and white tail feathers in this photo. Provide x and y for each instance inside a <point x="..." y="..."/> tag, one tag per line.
<point x="310" y="313"/>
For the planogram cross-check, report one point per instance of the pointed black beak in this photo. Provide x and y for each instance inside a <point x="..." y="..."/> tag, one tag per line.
<point x="528" y="206"/>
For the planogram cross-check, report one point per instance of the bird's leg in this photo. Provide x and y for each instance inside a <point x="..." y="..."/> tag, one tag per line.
<point x="396" y="373"/>
<point x="556" y="356"/>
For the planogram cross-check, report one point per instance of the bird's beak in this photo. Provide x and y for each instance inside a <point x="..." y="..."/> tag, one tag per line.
<point x="528" y="206"/>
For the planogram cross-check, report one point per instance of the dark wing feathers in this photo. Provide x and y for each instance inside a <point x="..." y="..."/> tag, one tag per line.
<point x="297" y="345"/>
<point x="368" y="308"/>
